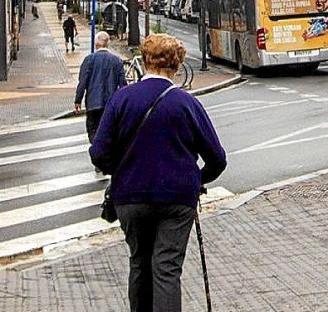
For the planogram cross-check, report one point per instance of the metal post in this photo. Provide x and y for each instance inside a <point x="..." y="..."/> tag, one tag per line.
<point x="93" y="25"/>
<point x="203" y="34"/>
<point x="158" y="20"/>
<point x="147" y="23"/>
<point x="3" y="41"/>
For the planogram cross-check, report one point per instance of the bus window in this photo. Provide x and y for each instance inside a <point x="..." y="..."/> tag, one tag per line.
<point x="239" y="15"/>
<point x="213" y="17"/>
<point x="250" y="16"/>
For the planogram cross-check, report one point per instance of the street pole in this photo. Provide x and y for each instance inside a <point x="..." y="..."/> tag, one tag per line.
<point x="147" y="26"/>
<point x="203" y="34"/>
<point x="3" y="41"/>
<point x="93" y="25"/>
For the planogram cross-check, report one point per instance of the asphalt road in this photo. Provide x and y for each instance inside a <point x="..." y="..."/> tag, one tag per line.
<point x="273" y="128"/>
<point x="186" y="32"/>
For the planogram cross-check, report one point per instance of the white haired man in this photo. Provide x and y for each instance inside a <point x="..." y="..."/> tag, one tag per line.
<point x="101" y="74"/>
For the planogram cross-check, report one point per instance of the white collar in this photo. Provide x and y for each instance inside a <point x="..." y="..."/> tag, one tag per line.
<point x="103" y="49"/>
<point x="148" y="76"/>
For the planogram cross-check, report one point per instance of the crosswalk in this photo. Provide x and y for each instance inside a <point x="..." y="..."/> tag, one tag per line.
<point x="49" y="192"/>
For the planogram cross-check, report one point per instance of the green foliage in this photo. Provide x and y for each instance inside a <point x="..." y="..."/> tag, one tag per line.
<point x="135" y="51"/>
<point x="76" y="8"/>
<point x="98" y="17"/>
<point x="158" y="28"/>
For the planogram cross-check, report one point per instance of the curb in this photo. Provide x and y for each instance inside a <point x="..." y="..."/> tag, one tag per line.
<point x="202" y="91"/>
<point x="221" y="85"/>
<point x="241" y="199"/>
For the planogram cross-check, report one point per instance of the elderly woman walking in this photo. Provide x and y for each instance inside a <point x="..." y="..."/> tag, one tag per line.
<point x="155" y="177"/>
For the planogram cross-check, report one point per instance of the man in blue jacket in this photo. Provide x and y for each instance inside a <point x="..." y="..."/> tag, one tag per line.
<point x="101" y="74"/>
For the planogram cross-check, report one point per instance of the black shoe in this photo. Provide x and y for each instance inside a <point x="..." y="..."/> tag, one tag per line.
<point x="66" y="50"/>
<point x="73" y="49"/>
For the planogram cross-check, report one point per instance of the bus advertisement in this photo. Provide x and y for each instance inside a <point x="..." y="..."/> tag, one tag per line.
<point x="260" y="33"/>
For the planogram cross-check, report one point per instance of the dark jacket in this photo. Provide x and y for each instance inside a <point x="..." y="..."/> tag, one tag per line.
<point x="69" y="26"/>
<point x="101" y="74"/>
<point x="162" y="166"/>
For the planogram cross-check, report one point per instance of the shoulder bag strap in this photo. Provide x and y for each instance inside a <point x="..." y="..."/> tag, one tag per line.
<point x="148" y="113"/>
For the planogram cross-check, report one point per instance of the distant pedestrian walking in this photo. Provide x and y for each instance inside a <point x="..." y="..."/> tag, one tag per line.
<point x="35" y="12"/>
<point x="149" y="139"/>
<point x="70" y="31"/>
<point x="60" y="10"/>
<point x="101" y="74"/>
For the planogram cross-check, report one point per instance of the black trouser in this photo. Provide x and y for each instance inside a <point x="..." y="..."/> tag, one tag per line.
<point x="68" y="38"/>
<point x="157" y="236"/>
<point x="92" y="122"/>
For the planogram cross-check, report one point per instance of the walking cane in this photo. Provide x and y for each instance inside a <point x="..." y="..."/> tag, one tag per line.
<point x="202" y="256"/>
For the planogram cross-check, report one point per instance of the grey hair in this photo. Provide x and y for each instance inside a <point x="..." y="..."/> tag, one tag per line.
<point x="102" y="39"/>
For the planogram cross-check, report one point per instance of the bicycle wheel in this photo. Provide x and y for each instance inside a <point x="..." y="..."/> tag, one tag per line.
<point x="180" y="78"/>
<point x="132" y="73"/>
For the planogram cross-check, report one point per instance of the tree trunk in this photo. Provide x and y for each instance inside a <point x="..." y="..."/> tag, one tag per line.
<point x="133" y="15"/>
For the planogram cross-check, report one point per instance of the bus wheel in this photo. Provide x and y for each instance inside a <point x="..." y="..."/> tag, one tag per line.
<point x="239" y="59"/>
<point x="311" y="67"/>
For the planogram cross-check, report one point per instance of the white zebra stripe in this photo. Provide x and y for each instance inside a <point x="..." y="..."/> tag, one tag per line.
<point x="31" y="242"/>
<point x="45" y="143"/>
<point x="49" y="185"/>
<point x="40" y="125"/>
<point x="49" y="209"/>
<point x="44" y="155"/>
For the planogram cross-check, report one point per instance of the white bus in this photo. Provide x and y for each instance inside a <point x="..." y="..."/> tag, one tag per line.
<point x="260" y="33"/>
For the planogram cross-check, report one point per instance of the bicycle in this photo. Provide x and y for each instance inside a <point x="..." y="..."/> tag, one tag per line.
<point x="134" y="71"/>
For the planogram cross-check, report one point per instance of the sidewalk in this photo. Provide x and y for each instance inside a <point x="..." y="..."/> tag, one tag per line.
<point x="42" y="81"/>
<point x="268" y="255"/>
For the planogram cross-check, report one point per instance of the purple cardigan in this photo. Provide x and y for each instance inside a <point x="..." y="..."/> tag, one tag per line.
<point x="162" y="164"/>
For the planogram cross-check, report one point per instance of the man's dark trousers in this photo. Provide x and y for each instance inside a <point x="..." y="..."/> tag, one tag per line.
<point x="92" y="122"/>
<point x="157" y="236"/>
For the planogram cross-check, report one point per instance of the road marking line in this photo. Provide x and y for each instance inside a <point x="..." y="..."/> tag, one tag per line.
<point x="306" y="95"/>
<point x="44" y="155"/>
<point x="39" y="240"/>
<point x="320" y="137"/>
<point x="49" y="209"/>
<point x="280" y="138"/>
<point x="289" y="91"/>
<point x="278" y="88"/>
<point x="37" y="125"/>
<point x="262" y="107"/>
<point x="41" y="144"/>
<point x="240" y="102"/>
<point x="320" y="100"/>
<point x="255" y="83"/>
<point x="229" y="109"/>
<point x="49" y="185"/>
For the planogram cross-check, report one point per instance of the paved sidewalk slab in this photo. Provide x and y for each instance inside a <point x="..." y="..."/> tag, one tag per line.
<point x="29" y="94"/>
<point x="268" y="255"/>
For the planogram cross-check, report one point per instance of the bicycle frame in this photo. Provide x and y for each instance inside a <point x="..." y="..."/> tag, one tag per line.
<point x="134" y="72"/>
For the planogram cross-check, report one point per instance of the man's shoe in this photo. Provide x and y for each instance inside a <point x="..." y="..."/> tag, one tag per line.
<point x="73" y="49"/>
<point x="66" y="50"/>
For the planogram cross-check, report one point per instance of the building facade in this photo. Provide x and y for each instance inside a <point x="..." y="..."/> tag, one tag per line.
<point x="12" y="13"/>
